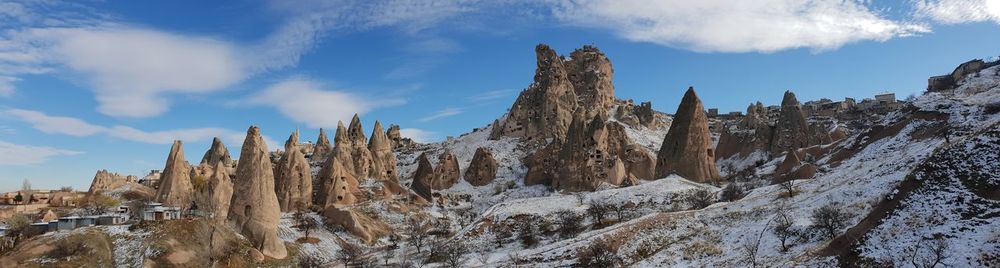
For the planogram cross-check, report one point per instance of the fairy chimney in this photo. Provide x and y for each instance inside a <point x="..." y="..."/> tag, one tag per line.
<point x="293" y="177"/>
<point x="483" y="169"/>
<point x="446" y="172"/>
<point x="383" y="160"/>
<point x="423" y="178"/>
<point x="254" y="208"/>
<point x="175" y="182"/>
<point x="217" y="153"/>
<point x="687" y="149"/>
<point x="323" y="147"/>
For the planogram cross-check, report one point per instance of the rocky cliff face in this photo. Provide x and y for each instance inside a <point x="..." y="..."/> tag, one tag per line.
<point x="483" y="169"/>
<point x="254" y="207"/>
<point x="687" y="149"/>
<point x="596" y="151"/>
<point x="106" y="181"/>
<point x="293" y="177"/>
<point x="545" y="109"/>
<point x="175" y="182"/>
<point x="398" y="141"/>
<point x="752" y="133"/>
<point x="591" y="73"/>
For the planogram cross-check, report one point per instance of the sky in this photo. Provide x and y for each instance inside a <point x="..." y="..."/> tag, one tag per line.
<point x="89" y="85"/>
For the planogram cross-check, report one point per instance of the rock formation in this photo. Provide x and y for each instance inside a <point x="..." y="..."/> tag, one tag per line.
<point x="483" y="169"/>
<point x="217" y="153"/>
<point x="590" y="73"/>
<point x="791" y="162"/>
<point x="175" y="183"/>
<point x="106" y="181"/>
<point x="254" y="207"/>
<point x="423" y="178"/>
<point x="446" y="172"/>
<point x="687" y="149"/>
<point x="792" y="130"/>
<point x="590" y="156"/>
<point x="218" y="191"/>
<point x="383" y="165"/>
<point x="545" y="109"/>
<point x="360" y="154"/>
<point x="293" y="177"/>
<point x="398" y="141"/>
<point x="751" y="133"/>
<point x="322" y="148"/>
<point x="338" y="184"/>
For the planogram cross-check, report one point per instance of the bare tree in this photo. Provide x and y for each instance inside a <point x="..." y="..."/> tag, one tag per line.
<point x="303" y="222"/>
<point x="783" y="229"/>
<point x="354" y="255"/>
<point x="933" y="256"/>
<point x="788" y="186"/>
<point x="620" y="211"/>
<point x="749" y="250"/>
<point x="527" y="231"/>
<point x="598" y="210"/>
<point x="829" y="219"/>
<point x="483" y="252"/>
<point x="569" y="222"/>
<point x="599" y="253"/>
<point x="732" y="192"/>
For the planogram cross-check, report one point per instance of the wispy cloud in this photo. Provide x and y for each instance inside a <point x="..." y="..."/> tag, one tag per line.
<point x="76" y="127"/>
<point x="307" y="101"/>
<point x="959" y="11"/>
<point x="419" y="135"/>
<point x="22" y="155"/>
<point x="493" y="95"/>
<point x="447" y="112"/>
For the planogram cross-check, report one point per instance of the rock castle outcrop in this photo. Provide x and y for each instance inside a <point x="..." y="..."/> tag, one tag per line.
<point x="254" y="207"/>
<point x="175" y="182"/>
<point x="687" y="149"/>
<point x="567" y="107"/>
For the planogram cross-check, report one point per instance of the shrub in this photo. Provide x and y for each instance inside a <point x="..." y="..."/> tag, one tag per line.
<point x="699" y="198"/>
<point x="569" y="223"/>
<point x="598" y="210"/>
<point x="599" y="253"/>
<point x="829" y="219"/>
<point x="732" y="192"/>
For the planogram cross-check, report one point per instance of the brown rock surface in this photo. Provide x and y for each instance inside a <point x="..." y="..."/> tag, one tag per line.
<point x="423" y="178"/>
<point x="338" y="184"/>
<point x="447" y="172"/>
<point x="545" y="109"/>
<point x="398" y="141"/>
<point x="358" y="224"/>
<point x="591" y="73"/>
<point x="175" y="182"/>
<point x="483" y="168"/>
<point x="293" y="177"/>
<point x="254" y="207"/>
<point x="106" y="181"/>
<point x="687" y="149"/>
<point x="360" y="154"/>
<point x="792" y="130"/>
<point x="322" y="148"/>
<point x="383" y="159"/>
<point x="752" y="133"/>
<point x="791" y="162"/>
<point x="217" y="153"/>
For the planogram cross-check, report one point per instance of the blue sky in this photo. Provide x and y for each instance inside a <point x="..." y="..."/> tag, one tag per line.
<point x="90" y="85"/>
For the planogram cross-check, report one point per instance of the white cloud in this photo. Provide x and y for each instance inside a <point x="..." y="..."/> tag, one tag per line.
<point x="418" y="135"/>
<point x="131" y="70"/>
<point x="959" y="11"/>
<point x="305" y="101"/>
<point x="492" y="95"/>
<point x="76" y="127"/>
<point x="21" y="155"/>
<point x="737" y="26"/>
<point x="56" y="124"/>
<point x="442" y="114"/>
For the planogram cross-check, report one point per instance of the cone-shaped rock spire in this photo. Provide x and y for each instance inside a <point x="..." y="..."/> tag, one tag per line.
<point x="687" y="149"/>
<point x="383" y="159"/>
<point x="254" y="207"/>
<point x="446" y="172"/>
<point x="175" y="183"/>
<point x="323" y="147"/>
<point x="293" y="177"/>
<point x="219" y="191"/>
<point x="423" y="178"/>
<point x="217" y="153"/>
<point x="483" y="169"/>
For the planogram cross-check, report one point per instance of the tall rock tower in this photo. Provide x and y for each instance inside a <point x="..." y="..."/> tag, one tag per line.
<point x="254" y="208"/>
<point x="687" y="149"/>
<point x="175" y="183"/>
